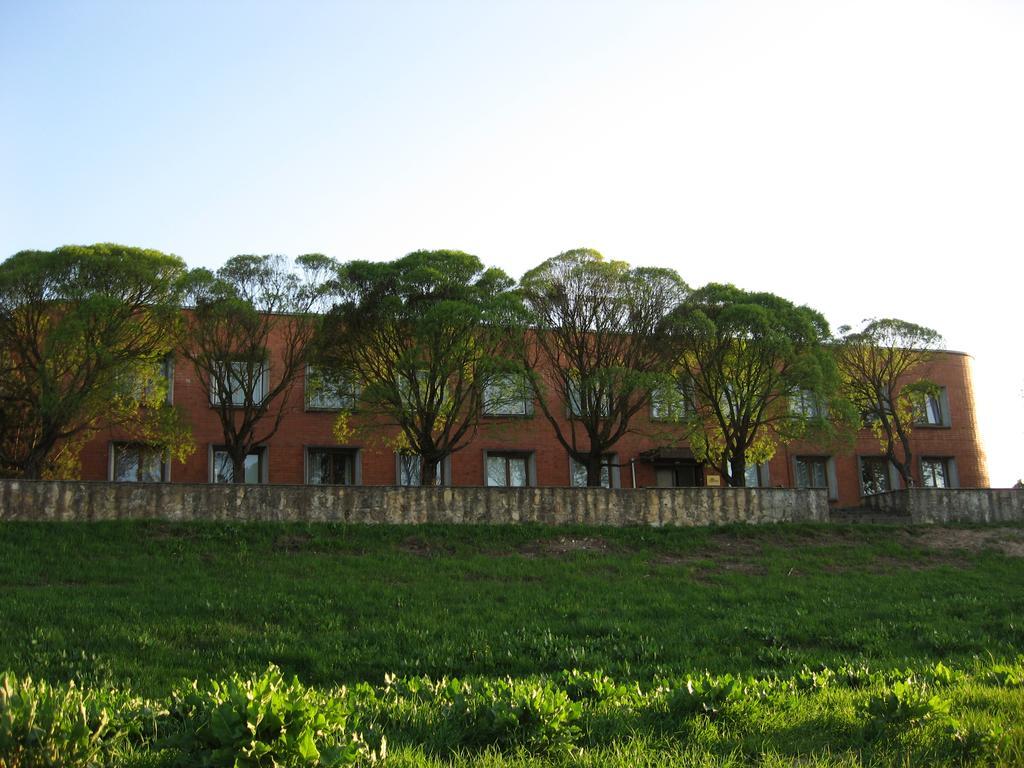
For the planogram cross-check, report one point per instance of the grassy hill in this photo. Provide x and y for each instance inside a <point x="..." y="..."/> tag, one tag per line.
<point x="142" y="606"/>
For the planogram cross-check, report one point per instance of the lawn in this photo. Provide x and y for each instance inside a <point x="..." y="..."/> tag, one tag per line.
<point x="140" y="607"/>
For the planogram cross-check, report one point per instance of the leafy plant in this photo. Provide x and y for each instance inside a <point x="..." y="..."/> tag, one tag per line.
<point x="535" y="716"/>
<point x="712" y="696"/>
<point x="264" y="721"/>
<point x="902" y="705"/>
<point x="44" y="725"/>
<point x="1006" y="675"/>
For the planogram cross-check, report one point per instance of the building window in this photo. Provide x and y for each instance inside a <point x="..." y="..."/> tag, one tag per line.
<point x="938" y="472"/>
<point x="932" y="412"/>
<point x="329" y="392"/>
<point x="806" y="404"/>
<point x="587" y="400"/>
<point x="874" y="475"/>
<point x="609" y="472"/>
<point x="670" y="403"/>
<point x="167" y="372"/>
<point x="756" y="476"/>
<point x="409" y="468"/>
<point x="140" y="384"/>
<point x="508" y="470"/>
<point x="137" y="463"/>
<point x="231" y="383"/>
<point x="508" y="394"/>
<point x="332" y="466"/>
<point x="813" y="472"/>
<point x="254" y="468"/>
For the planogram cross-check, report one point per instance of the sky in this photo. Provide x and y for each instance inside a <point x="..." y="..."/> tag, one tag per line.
<point x="864" y="158"/>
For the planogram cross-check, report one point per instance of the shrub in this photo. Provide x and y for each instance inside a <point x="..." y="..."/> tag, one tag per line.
<point x="535" y="716"/>
<point x="713" y="696"/>
<point x="44" y="725"/>
<point x="904" y="704"/>
<point x="264" y="721"/>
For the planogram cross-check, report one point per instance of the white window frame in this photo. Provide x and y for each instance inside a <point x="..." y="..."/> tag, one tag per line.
<point x="609" y="460"/>
<point x="354" y="453"/>
<point x="262" y="385"/>
<point x="165" y="464"/>
<point x="940" y="402"/>
<point x="685" y="406"/>
<point x="516" y="391"/>
<point x="949" y="468"/>
<point x="574" y="405"/>
<point x="442" y="478"/>
<point x="343" y="395"/>
<point x="531" y="467"/>
<point x="831" y="483"/>
<point x="805" y="403"/>
<point x="260" y="450"/>
<point x="891" y="473"/>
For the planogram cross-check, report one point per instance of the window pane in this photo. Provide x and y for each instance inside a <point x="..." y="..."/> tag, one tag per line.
<point x="802" y="477"/>
<point x="811" y="473"/>
<point x="751" y="477"/>
<point x="222" y="471"/>
<point x="669" y="404"/>
<point x="330" y="466"/>
<point x="517" y="471"/>
<point x="252" y="468"/>
<point x="579" y="474"/>
<point x="934" y="473"/>
<point x="329" y="392"/>
<point x="820" y="480"/>
<point x="409" y="470"/>
<point x="874" y="476"/>
<point x="496" y="467"/>
<point x="573" y="391"/>
<point x="126" y="464"/>
<point x="505" y="394"/>
<point x="151" y="465"/>
<point x="319" y="464"/>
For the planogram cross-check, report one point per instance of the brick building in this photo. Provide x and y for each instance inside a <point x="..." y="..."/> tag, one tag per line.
<point x="517" y="446"/>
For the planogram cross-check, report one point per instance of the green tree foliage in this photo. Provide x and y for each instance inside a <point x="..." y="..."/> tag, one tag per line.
<point x="882" y="366"/>
<point x="600" y="346"/>
<point x="759" y="374"/>
<point x="251" y="306"/>
<point x="420" y="334"/>
<point x="83" y="331"/>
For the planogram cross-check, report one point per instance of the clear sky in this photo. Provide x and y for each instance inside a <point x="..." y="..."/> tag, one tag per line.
<point x="865" y="158"/>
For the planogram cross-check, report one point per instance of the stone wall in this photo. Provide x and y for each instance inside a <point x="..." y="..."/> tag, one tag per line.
<point x="952" y="505"/>
<point x="53" y="500"/>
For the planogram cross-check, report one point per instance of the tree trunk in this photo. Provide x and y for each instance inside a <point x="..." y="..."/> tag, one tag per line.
<point x="32" y="467"/>
<point x="738" y="477"/>
<point x="428" y="471"/>
<point x="237" y="467"/>
<point x="594" y="464"/>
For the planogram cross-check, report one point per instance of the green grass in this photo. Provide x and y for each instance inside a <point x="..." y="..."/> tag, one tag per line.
<point x="142" y="606"/>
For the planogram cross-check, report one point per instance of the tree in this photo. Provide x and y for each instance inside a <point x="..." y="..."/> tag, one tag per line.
<point x="83" y="330"/>
<point x="421" y="335"/>
<point x="600" y="345"/>
<point x="758" y="374"/>
<point x="881" y="366"/>
<point x="248" y="332"/>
